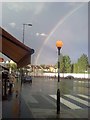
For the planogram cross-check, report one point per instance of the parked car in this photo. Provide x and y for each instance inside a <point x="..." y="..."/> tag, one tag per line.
<point x="27" y="79"/>
<point x="69" y="77"/>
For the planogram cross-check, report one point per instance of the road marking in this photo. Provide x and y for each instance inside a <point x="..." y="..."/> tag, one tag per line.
<point x="46" y="98"/>
<point x="66" y="102"/>
<point x="87" y="82"/>
<point x="77" y="99"/>
<point x="84" y="96"/>
<point x="30" y="99"/>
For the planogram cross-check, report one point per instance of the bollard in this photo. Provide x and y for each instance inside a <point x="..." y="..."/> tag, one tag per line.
<point x="5" y="87"/>
<point x="10" y="88"/>
<point x="58" y="101"/>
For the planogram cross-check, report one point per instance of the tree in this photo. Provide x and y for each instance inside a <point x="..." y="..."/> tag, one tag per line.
<point x="75" y="68"/>
<point x="62" y="64"/>
<point x="12" y="65"/>
<point x="65" y="64"/>
<point x="83" y="63"/>
<point x="72" y="68"/>
<point x="79" y="67"/>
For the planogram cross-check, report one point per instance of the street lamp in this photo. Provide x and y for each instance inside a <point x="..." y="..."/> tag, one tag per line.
<point x="22" y="70"/>
<point x="59" y="44"/>
<point x="25" y="24"/>
<point x="24" y="29"/>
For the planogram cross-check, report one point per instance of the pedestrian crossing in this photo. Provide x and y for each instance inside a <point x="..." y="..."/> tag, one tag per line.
<point x="84" y="96"/>
<point x="68" y="101"/>
<point x="79" y="101"/>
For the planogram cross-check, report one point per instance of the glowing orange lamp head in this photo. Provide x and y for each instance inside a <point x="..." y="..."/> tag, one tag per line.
<point x="59" y="44"/>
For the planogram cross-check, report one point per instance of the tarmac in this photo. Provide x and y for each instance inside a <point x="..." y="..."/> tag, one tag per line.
<point x="15" y="107"/>
<point x="12" y="108"/>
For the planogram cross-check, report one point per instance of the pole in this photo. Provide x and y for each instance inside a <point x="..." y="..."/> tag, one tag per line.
<point x="23" y="32"/>
<point x="21" y="75"/>
<point x="58" y="86"/>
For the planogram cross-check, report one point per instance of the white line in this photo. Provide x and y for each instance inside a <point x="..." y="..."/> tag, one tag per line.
<point x="77" y="99"/>
<point x="49" y="100"/>
<point x="30" y="99"/>
<point x="84" y="96"/>
<point x="67" y="103"/>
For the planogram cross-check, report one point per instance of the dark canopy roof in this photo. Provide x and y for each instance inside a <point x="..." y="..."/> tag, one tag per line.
<point x="14" y="49"/>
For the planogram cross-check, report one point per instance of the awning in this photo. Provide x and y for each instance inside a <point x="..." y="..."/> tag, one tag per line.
<point x="14" y="49"/>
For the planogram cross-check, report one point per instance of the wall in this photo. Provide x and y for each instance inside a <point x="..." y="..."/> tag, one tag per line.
<point x="66" y="74"/>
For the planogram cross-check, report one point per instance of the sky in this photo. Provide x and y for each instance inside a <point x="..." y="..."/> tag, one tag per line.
<point x="51" y="21"/>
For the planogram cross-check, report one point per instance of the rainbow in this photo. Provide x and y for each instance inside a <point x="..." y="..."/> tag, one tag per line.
<point x="61" y="21"/>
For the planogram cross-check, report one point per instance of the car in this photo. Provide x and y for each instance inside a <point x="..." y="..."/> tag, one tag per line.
<point x="69" y="77"/>
<point x="27" y="79"/>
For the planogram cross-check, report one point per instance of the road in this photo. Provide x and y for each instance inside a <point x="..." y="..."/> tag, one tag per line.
<point x="40" y="98"/>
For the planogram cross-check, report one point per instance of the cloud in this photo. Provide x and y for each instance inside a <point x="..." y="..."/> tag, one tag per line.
<point x="36" y="8"/>
<point x="37" y="34"/>
<point x="15" y="6"/>
<point x="13" y="24"/>
<point x="39" y="8"/>
<point x="41" y="34"/>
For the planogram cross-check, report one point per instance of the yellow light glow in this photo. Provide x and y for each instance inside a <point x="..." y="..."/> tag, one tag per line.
<point x="59" y="44"/>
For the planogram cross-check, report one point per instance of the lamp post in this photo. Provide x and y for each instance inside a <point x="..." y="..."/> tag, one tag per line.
<point x="25" y="24"/>
<point x="22" y="70"/>
<point x="55" y="71"/>
<point x="24" y="30"/>
<point x="58" y="45"/>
